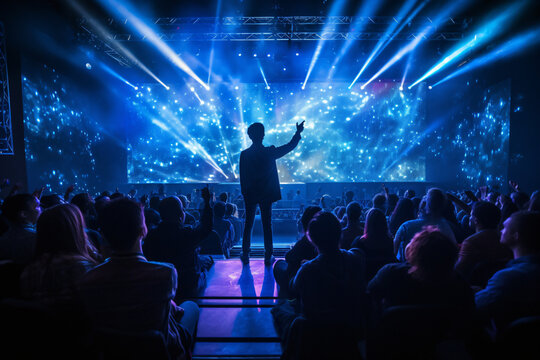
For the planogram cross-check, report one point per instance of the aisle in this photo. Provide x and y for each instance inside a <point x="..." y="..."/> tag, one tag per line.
<point x="235" y="320"/>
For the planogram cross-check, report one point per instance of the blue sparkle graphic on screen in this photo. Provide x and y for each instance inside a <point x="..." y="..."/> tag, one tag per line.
<point x="59" y="138"/>
<point x="351" y="135"/>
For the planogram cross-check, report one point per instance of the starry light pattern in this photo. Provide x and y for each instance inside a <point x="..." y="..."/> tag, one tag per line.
<point x="479" y="139"/>
<point x="59" y="138"/>
<point x="191" y="135"/>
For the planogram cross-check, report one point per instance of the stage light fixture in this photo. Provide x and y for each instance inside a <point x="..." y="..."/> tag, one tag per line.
<point x="88" y="66"/>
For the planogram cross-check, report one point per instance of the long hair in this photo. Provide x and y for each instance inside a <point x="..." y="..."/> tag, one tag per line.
<point x="376" y="228"/>
<point x="404" y="211"/>
<point x="60" y="231"/>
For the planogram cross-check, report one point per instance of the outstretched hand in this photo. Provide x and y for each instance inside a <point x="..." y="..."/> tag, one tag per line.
<point x="300" y="128"/>
<point x="513" y="185"/>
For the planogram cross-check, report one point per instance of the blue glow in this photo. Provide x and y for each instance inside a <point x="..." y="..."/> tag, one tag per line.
<point x="485" y="33"/>
<point x="263" y="76"/>
<point x="368" y="8"/>
<point x="510" y="47"/>
<point x="442" y="16"/>
<point x="334" y="10"/>
<point x="103" y="32"/>
<point x="347" y="124"/>
<point x="390" y="33"/>
<point x="144" y="29"/>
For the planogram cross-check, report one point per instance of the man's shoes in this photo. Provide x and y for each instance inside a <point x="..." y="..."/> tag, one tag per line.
<point x="244" y="258"/>
<point x="269" y="260"/>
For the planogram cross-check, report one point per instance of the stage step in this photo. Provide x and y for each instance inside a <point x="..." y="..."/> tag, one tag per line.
<point x="235" y="320"/>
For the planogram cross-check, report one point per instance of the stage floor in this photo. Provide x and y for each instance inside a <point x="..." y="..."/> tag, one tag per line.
<point x="235" y="319"/>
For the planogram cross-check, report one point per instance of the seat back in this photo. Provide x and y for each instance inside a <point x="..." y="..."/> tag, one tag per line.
<point x="309" y="340"/>
<point x="415" y="331"/>
<point x="520" y="339"/>
<point x="116" y="344"/>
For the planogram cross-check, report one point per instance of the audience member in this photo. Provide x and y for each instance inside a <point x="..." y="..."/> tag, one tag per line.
<point x="428" y="277"/>
<point x="129" y="293"/>
<point x="231" y="214"/>
<point x="483" y="248"/>
<point x="354" y="227"/>
<point x="379" y="202"/>
<point x="189" y="219"/>
<point x="63" y="255"/>
<point x="376" y="243"/>
<point x="435" y="204"/>
<point x="404" y="211"/>
<point x="302" y="251"/>
<point x="331" y="287"/>
<point x="18" y="243"/>
<point x="514" y="292"/>
<point x="223" y="227"/>
<point x="175" y="243"/>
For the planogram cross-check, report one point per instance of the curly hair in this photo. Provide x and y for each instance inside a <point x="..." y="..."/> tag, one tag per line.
<point x="431" y="254"/>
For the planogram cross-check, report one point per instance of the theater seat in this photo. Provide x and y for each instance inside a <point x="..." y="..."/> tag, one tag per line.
<point x="115" y="344"/>
<point x="419" y="332"/>
<point x="521" y="340"/>
<point x="312" y="341"/>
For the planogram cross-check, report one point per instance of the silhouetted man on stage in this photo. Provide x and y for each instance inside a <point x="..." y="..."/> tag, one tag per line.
<point x="259" y="182"/>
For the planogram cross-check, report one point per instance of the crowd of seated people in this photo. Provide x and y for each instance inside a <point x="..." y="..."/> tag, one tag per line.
<point x="441" y="252"/>
<point x="122" y="264"/>
<point x="131" y="264"/>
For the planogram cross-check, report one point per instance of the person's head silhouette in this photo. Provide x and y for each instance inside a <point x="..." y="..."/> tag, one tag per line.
<point x="256" y="132"/>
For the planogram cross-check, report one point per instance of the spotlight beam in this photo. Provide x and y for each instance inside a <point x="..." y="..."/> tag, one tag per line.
<point x="454" y="6"/>
<point x="152" y="36"/>
<point x="110" y="71"/>
<point x="336" y="8"/>
<point x="485" y="33"/>
<point x="510" y="47"/>
<point x="382" y="43"/>
<point x="100" y="29"/>
<point x="366" y="9"/>
<point x="263" y="76"/>
<point x="211" y="62"/>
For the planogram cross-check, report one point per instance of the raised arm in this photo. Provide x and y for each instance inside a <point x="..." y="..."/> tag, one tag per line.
<point x="287" y="148"/>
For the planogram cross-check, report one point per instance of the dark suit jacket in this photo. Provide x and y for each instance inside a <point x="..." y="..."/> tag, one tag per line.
<point x="259" y="179"/>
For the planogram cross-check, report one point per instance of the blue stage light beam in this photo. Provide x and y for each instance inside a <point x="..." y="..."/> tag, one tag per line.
<point x="407" y="67"/>
<point x="102" y="31"/>
<point x="482" y="35"/>
<point x="390" y="33"/>
<point x="334" y="10"/>
<point x="368" y="8"/>
<point x="263" y="76"/>
<point x="511" y="47"/>
<point x="115" y="74"/>
<point x="137" y="24"/>
<point x="211" y="62"/>
<point x="436" y="21"/>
